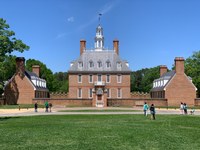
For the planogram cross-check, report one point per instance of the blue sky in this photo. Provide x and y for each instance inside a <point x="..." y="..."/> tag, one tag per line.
<point x="150" y="32"/>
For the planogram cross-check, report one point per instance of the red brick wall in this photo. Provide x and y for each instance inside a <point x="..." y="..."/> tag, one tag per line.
<point x="180" y="89"/>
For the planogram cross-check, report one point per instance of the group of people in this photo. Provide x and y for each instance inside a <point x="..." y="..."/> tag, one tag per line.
<point x="152" y="110"/>
<point x="47" y="105"/>
<point x="183" y="108"/>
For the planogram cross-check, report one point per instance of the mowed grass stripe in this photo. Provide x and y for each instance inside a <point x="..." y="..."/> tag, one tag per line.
<point x="100" y="132"/>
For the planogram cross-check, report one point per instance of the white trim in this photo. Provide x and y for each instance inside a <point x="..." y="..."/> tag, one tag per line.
<point x="109" y="91"/>
<point x="89" y="93"/>
<point x="30" y="83"/>
<point x="78" y="93"/>
<point x="120" y="93"/>
<point x="119" y="75"/>
<point x="109" y="78"/>
<point x="81" y="78"/>
<point x="89" y="78"/>
<point x="190" y="81"/>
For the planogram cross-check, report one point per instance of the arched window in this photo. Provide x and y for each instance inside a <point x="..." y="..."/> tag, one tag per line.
<point x="80" y="64"/>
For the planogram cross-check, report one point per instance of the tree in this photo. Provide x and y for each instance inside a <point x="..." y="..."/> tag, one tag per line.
<point x="142" y="80"/>
<point x="62" y="81"/>
<point x="192" y="69"/>
<point x="8" y="44"/>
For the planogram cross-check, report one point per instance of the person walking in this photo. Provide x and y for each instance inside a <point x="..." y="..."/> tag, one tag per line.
<point x="46" y="106"/>
<point x="145" y="108"/>
<point x="153" y="112"/>
<point x="185" y="108"/>
<point x="36" y="106"/>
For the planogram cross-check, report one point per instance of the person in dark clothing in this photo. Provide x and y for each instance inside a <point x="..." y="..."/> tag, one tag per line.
<point x="152" y="111"/>
<point x="46" y="106"/>
<point x="185" y="108"/>
<point x="36" y="106"/>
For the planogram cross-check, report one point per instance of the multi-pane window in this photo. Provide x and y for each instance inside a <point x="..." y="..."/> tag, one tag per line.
<point x="79" y="78"/>
<point x="79" y="93"/>
<point x="91" y="64"/>
<point x="90" y="78"/>
<point x="119" y="65"/>
<point x="99" y="64"/>
<point x="108" y="78"/>
<point x="90" y="92"/>
<point x="108" y="64"/>
<point x="108" y="93"/>
<point x="119" y="78"/>
<point x="99" y="78"/>
<point x="80" y="64"/>
<point x="119" y="93"/>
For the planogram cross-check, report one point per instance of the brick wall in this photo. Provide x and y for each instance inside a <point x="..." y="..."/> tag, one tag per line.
<point x="180" y="89"/>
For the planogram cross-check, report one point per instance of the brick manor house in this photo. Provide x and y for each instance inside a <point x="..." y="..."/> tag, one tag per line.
<point x="100" y="78"/>
<point x="99" y="74"/>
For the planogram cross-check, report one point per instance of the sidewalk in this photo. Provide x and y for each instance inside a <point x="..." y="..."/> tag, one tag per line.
<point x="55" y="111"/>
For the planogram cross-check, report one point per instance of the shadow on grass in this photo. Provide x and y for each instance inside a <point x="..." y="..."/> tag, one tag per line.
<point x="6" y="118"/>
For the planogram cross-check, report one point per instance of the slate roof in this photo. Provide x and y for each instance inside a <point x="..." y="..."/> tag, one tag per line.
<point x="32" y="75"/>
<point x="96" y="56"/>
<point x="168" y="76"/>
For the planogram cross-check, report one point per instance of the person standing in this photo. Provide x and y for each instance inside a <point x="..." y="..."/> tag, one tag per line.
<point x="152" y="111"/>
<point x="46" y="106"/>
<point x="145" y="108"/>
<point x="181" y="108"/>
<point x="50" y="106"/>
<point x="36" y="106"/>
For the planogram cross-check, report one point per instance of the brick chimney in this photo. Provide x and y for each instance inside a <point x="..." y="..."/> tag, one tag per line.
<point x="36" y="70"/>
<point x="20" y="66"/>
<point x="82" y="46"/>
<point x="116" y="46"/>
<point x="179" y="65"/>
<point x="163" y="70"/>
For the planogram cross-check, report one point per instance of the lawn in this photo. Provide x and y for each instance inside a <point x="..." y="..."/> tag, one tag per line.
<point x="100" y="132"/>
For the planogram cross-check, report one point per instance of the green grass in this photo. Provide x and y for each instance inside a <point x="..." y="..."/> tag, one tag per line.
<point x="100" y="132"/>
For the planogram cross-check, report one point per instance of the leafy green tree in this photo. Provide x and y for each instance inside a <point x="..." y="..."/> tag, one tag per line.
<point x="8" y="44"/>
<point x="62" y="81"/>
<point x="192" y="69"/>
<point x="142" y="80"/>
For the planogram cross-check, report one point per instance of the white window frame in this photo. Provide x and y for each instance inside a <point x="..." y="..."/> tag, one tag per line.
<point x="90" y="90"/>
<point x="91" y="64"/>
<point x="108" y="75"/>
<point x="80" y="64"/>
<point x="98" y="77"/>
<point x="79" y="90"/>
<point x="89" y="78"/>
<point x="79" y="75"/>
<point x="108" y="64"/>
<point x="119" y="93"/>
<point x="119" y="65"/>
<point x="108" y="93"/>
<point x="99" y="64"/>
<point x="119" y="78"/>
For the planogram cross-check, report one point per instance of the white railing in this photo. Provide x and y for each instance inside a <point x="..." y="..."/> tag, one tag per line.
<point x="99" y="83"/>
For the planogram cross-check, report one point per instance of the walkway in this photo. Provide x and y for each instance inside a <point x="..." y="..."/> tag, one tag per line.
<point x="56" y="109"/>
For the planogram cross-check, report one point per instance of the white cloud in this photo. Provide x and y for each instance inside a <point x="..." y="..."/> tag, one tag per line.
<point x="70" y="19"/>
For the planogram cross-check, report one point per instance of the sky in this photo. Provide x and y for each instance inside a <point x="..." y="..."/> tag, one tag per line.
<point x="150" y="32"/>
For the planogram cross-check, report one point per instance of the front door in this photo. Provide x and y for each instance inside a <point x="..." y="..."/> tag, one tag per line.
<point x="99" y="101"/>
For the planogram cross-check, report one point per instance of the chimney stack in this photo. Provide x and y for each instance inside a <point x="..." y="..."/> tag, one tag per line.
<point x="179" y="65"/>
<point x="163" y="70"/>
<point x="116" y="46"/>
<point x="36" y="70"/>
<point x="82" y="46"/>
<point x="20" y="66"/>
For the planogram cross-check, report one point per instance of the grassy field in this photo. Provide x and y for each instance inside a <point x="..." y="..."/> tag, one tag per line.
<point x="100" y="132"/>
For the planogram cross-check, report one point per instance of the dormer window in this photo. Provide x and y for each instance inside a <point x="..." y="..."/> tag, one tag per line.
<point x="80" y="64"/>
<point x="99" y="64"/>
<point x="108" y="64"/>
<point x="119" y="65"/>
<point x="91" y="64"/>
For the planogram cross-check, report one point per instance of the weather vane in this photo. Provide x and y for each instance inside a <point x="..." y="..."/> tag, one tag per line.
<point x="100" y="14"/>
